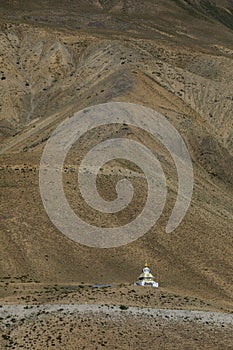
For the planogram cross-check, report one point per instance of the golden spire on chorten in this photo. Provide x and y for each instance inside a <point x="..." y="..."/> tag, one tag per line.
<point x="146" y="264"/>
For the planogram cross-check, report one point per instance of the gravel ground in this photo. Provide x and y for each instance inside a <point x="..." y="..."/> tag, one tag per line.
<point x="92" y="327"/>
<point x="19" y="312"/>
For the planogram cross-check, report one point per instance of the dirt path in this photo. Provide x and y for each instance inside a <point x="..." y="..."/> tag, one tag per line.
<point x="18" y="312"/>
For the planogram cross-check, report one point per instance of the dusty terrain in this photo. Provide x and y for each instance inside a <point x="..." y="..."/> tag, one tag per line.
<point x="84" y="316"/>
<point x="57" y="58"/>
<point x="72" y="327"/>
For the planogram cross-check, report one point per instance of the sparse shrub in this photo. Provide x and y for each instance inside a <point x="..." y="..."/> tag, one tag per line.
<point x="123" y="307"/>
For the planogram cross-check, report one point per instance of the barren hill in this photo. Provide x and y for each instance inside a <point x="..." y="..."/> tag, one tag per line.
<point x="173" y="56"/>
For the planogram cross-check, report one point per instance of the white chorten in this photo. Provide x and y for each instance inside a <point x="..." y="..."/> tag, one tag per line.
<point x="146" y="278"/>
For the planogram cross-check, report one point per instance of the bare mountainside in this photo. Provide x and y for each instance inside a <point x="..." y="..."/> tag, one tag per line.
<point x="173" y="56"/>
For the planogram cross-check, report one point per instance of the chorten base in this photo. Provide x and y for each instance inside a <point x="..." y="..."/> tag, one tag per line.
<point x="146" y="284"/>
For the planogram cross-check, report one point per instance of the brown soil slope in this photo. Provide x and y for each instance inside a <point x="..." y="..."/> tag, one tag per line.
<point x="173" y="56"/>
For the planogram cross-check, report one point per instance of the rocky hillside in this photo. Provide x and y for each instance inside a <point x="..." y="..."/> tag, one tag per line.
<point x="173" y="56"/>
